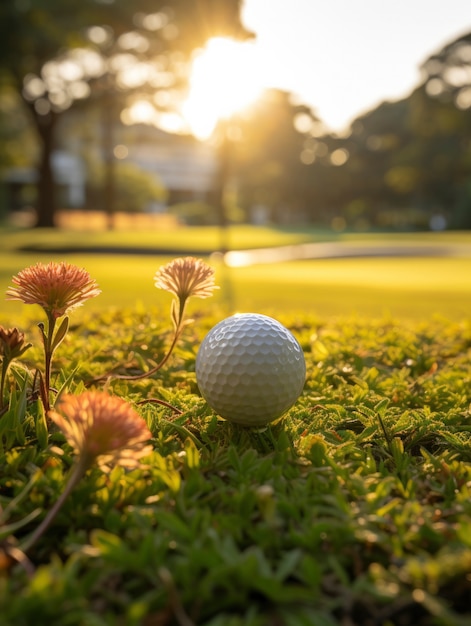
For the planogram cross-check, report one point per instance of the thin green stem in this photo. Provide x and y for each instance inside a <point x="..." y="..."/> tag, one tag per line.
<point x="386" y="434"/>
<point x="181" y="311"/>
<point x="159" y="365"/>
<point x="5" y="365"/>
<point x="48" y="351"/>
<point x="179" y="326"/>
<point x="76" y="474"/>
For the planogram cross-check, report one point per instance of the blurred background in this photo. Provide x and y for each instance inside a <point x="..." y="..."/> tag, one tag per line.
<point x="343" y="115"/>
<point x="318" y="153"/>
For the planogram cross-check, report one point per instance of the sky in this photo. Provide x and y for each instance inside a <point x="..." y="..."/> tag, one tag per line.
<point x="344" y="57"/>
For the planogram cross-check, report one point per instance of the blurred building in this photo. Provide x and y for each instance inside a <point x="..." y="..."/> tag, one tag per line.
<point x="69" y="175"/>
<point x="186" y="167"/>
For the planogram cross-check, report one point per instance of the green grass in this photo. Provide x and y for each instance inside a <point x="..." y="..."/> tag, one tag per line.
<point x="194" y="238"/>
<point x="354" y="508"/>
<point x="403" y="288"/>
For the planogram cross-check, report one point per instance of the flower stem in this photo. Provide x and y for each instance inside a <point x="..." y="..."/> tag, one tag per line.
<point x="5" y="364"/>
<point x="159" y="365"/>
<point x="179" y="326"/>
<point x="48" y="359"/>
<point x="76" y="474"/>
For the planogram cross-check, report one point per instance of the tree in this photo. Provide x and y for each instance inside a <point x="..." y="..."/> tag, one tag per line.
<point x="57" y="54"/>
<point x="380" y="171"/>
<point x="137" y="189"/>
<point x="410" y="159"/>
<point x="447" y="73"/>
<point x="271" y="142"/>
<point x="446" y="90"/>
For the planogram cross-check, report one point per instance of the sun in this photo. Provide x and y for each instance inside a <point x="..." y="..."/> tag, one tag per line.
<point x="224" y="79"/>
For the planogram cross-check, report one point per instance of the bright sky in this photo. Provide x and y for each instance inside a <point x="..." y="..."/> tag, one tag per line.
<point x="343" y="57"/>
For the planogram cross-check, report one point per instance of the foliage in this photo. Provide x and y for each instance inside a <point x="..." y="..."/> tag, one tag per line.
<point x="17" y="146"/>
<point x="408" y="161"/>
<point x="136" y="189"/>
<point x="54" y="58"/>
<point x="194" y="213"/>
<point x="265" y="151"/>
<point x="404" y="165"/>
<point x="354" y="508"/>
<point x="446" y="72"/>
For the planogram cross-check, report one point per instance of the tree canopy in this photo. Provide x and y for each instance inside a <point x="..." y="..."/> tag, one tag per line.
<point x="57" y="54"/>
<point x="405" y="163"/>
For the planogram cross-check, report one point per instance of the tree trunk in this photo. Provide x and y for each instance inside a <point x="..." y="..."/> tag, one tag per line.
<point x="46" y="200"/>
<point x="109" y="181"/>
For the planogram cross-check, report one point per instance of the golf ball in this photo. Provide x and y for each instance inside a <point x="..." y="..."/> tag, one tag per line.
<point x="250" y="369"/>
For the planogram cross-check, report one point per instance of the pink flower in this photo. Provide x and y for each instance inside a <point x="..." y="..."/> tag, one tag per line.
<point x="186" y="277"/>
<point x="12" y="343"/>
<point x="57" y="287"/>
<point x="12" y="346"/>
<point x="102" y="428"/>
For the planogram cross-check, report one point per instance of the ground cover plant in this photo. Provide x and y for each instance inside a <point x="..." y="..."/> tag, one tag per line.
<point x="352" y="509"/>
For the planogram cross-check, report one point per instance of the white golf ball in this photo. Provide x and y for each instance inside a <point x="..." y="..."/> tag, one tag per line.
<point x="250" y="369"/>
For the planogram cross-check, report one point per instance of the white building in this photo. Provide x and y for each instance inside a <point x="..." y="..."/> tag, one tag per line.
<point x="186" y="167"/>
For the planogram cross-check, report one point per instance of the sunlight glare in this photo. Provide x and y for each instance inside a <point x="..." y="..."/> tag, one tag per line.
<point x="224" y="79"/>
<point x="140" y="112"/>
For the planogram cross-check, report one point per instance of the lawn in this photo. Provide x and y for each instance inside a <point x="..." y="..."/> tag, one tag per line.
<point x="404" y="287"/>
<point x="353" y="509"/>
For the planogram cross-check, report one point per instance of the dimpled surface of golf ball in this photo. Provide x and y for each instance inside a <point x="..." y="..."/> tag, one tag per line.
<point x="250" y="369"/>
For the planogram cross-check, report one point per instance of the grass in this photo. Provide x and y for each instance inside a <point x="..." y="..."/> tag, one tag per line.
<point x="196" y="238"/>
<point x="404" y="288"/>
<point x="353" y="509"/>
